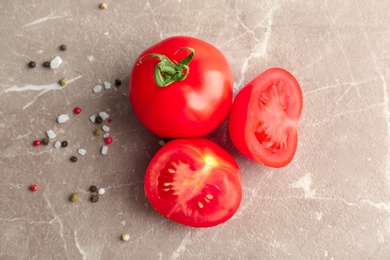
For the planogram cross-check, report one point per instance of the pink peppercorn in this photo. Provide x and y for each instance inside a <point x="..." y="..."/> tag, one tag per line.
<point x="109" y="120"/>
<point x="77" y="110"/>
<point x="108" y="140"/>
<point x="37" y="143"/>
<point x="34" y="187"/>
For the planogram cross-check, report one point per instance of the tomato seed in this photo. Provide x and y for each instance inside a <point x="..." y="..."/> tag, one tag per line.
<point x="37" y="143"/>
<point x="34" y="187"/>
<point x="103" y="6"/>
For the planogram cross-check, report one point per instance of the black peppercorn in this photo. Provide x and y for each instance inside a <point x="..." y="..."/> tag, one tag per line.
<point x="93" y="188"/>
<point x="64" y="143"/>
<point x="118" y="82"/>
<point x="73" y="159"/>
<point x="46" y="64"/>
<point x="98" y="120"/>
<point x="63" y="47"/>
<point x="45" y="141"/>
<point x="95" y="198"/>
<point x="32" y="64"/>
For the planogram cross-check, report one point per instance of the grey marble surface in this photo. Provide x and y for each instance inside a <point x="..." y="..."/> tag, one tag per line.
<point x="331" y="202"/>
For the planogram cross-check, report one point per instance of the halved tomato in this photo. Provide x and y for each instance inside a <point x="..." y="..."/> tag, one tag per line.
<point x="194" y="182"/>
<point x="264" y="115"/>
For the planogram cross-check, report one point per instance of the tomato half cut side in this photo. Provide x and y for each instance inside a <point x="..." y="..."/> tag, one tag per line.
<point x="264" y="116"/>
<point x="194" y="182"/>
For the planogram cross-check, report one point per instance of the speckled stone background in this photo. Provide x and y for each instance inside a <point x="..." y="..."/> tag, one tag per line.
<point x="331" y="202"/>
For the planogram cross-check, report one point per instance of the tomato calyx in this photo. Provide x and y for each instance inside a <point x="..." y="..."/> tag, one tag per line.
<point x="166" y="71"/>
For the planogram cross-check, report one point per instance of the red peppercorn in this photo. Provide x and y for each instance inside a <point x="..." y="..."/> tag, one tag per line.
<point x="109" y="120"/>
<point x="34" y="187"/>
<point x="37" y="143"/>
<point x="108" y="140"/>
<point x="77" y="110"/>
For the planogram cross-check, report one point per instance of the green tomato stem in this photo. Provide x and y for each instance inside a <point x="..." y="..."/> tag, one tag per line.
<point x="166" y="71"/>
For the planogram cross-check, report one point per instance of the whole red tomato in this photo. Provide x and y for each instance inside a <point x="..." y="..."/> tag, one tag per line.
<point x="181" y="87"/>
<point x="194" y="182"/>
<point x="264" y="115"/>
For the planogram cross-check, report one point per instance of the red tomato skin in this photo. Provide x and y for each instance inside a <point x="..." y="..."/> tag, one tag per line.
<point x="200" y="147"/>
<point x="193" y="107"/>
<point x="242" y="118"/>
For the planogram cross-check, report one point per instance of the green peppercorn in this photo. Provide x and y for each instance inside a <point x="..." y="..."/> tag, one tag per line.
<point x="62" y="82"/>
<point x="74" y="197"/>
<point x="98" y="132"/>
<point x="95" y="198"/>
<point x="32" y="64"/>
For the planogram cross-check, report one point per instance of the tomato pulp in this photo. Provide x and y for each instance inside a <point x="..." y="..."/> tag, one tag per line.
<point x="194" y="182"/>
<point x="195" y="92"/>
<point x="264" y="115"/>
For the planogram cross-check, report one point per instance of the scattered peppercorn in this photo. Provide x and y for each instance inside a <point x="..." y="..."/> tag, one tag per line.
<point x="77" y="110"/>
<point x="93" y="188"/>
<point x="34" y="187"/>
<point x="37" y="143"/>
<point x="98" y="132"/>
<point x="64" y="143"/>
<point x="45" y="141"/>
<point x="32" y="64"/>
<point x="46" y="64"/>
<point x="118" y="82"/>
<point x="98" y="120"/>
<point x="63" y="47"/>
<point x="73" y="159"/>
<point x="95" y="198"/>
<point x="62" y="82"/>
<point x="125" y="237"/>
<point x="109" y="120"/>
<point x="103" y="6"/>
<point x="108" y="140"/>
<point x="74" y="197"/>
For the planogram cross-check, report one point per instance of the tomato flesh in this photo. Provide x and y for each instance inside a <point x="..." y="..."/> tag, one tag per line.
<point x="194" y="182"/>
<point x="264" y="116"/>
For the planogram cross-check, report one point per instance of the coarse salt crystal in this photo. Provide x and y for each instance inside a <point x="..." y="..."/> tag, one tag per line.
<point x="82" y="151"/>
<point x="107" y="85"/>
<point x="101" y="191"/>
<point x="97" y="88"/>
<point x="106" y="135"/>
<point x="92" y="118"/>
<point x="57" y="144"/>
<point x="62" y="118"/>
<point x="106" y="128"/>
<point x="51" y="134"/>
<point x="104" y="115"/>
<point x="104" y="149"/>
<point x="56" y="62"/>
